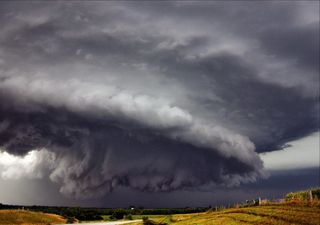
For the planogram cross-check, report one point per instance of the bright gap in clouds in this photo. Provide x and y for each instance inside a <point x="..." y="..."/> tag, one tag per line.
<point x="301" y="154"/>
<point x="16" y="167"/>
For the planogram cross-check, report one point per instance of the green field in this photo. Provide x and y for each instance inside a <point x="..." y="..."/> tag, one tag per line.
<point x="24" y="217"/>
<point x="277" y="214"/>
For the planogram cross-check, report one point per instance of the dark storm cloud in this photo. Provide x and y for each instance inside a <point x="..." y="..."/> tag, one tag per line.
<point x="27" y="192"/>
<point x="156" y="96"/>
<point x="298" y="43"/>
<point x="92" y="157"/>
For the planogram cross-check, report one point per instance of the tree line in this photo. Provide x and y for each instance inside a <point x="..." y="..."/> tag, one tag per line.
<point x="80" y="213"/>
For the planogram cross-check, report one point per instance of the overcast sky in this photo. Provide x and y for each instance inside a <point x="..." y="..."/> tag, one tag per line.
<point x="168" y="103"/>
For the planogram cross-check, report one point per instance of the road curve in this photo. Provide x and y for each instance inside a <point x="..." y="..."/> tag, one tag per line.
<point x="109" y="223"/>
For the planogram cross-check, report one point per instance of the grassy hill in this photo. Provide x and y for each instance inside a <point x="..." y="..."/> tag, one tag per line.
<point x="25" y="217"/>
<point x="281" y="214"/>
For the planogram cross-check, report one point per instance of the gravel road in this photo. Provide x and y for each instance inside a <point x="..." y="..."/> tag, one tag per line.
<point x="109" y="223"/>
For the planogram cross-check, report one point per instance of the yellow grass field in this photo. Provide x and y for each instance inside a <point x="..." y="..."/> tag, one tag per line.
<point x="277" y="214"/>
<point x="25" y="217"/>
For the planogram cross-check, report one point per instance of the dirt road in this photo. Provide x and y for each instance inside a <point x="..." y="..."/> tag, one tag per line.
<point x="110" y="223"/>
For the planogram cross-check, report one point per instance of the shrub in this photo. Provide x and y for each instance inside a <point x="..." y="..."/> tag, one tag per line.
<point x="129" y="217"/>
<point x="118" y="214"/>
<point x="145" y="218"/>
<point x="71" y="220"/>
<point x="303" y="195"/>
<point x="316" y="193"/>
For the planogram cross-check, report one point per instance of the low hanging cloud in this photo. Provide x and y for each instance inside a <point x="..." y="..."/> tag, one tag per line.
<point x="103" y="138"/>
<point x="111" y="94"/>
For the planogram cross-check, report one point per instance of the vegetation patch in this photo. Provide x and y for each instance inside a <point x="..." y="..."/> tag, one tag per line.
<point x="311" y="194"/>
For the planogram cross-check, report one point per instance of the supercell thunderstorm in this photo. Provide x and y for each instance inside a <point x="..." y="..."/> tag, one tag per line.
<point x="105" y="95"/>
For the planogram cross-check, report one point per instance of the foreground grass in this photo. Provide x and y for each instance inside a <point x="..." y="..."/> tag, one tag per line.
<point x="25" y="217"/>
<point x="278" y="214"/>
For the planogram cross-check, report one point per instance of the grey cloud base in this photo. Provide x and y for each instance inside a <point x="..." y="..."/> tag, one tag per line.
<point x="93" y="157"/>
<point x="123" y="95"/>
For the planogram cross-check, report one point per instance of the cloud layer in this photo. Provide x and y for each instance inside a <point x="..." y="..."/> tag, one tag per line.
<point x="156" y="96"/>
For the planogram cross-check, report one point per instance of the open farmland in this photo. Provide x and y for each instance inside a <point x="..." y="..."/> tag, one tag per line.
<point x="25" y="217"/>
<point x="281" y="214"/>
<point x="301" y="208"/>
<point x="302" y="213"/>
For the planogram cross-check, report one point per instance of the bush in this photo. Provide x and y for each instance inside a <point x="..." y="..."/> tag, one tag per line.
<point x="118" y="214"/>
<point x="71" y="220"/>
<point x="303" y="195"/>
<point x="316" y="193"/>
<point x="129" y="217"/>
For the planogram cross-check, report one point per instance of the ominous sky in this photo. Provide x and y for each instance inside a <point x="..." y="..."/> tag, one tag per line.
<point x="157" y="103"/>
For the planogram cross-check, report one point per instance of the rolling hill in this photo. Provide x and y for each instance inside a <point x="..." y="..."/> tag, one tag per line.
<point x="25" y="217"/>
<point x="275" y="214"/>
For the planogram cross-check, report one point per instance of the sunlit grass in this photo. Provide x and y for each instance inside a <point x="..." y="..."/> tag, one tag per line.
<point x="25" y="217"/>
<point x="278" y="214"/>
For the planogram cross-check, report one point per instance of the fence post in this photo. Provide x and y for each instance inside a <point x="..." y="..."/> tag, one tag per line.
<point x="310" y="196"/>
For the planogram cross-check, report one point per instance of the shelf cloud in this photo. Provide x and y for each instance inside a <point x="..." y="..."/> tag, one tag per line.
<point x="157" y="96"/>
